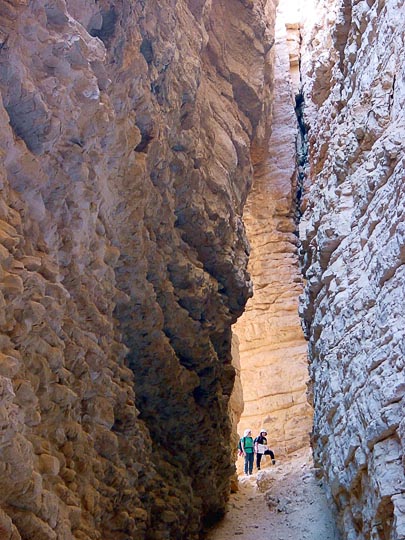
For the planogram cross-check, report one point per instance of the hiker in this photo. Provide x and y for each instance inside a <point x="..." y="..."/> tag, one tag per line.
<point x="247" y="446"/>
<point x="262" y="449"/>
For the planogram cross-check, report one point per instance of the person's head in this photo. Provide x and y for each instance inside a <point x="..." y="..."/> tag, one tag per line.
<point x="263" y="431"/>
<point x="248" y="433"/>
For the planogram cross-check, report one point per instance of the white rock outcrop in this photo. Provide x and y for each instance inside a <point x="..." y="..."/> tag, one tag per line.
<point x="353" y="234"/>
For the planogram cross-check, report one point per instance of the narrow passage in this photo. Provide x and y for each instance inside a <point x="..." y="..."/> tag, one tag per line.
<point x="284" y="502"/>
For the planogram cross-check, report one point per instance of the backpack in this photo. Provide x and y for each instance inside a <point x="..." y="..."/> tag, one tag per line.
<point x="240" y="451"/>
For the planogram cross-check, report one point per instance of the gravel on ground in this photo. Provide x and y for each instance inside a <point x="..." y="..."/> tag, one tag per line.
<point x="281" y="502"/>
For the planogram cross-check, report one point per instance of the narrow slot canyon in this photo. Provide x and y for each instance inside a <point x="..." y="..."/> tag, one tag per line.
<point x="202" y="232"/>
<point x="272" y="346"/>
<point x="284" y="499"/>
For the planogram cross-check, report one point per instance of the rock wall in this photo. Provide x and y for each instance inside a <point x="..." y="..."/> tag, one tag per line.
<point x="354" y="253"/>
<point x="126" y="131"/>
<point x="273" y="350"/>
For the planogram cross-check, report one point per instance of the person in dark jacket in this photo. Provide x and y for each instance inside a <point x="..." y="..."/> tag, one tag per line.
<point x="262" y="449"/>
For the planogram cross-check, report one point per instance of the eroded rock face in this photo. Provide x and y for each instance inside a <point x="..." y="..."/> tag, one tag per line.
<point x="353" y="237"/>
<point x="125" y="139"/>
<point x="273" y="349"/>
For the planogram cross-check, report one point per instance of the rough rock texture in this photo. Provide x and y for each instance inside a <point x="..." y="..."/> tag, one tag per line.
<point x="236" y="405"/>
<point x="273" y="349"/>
<point x="126" y="130"/>
<point x="354" y="241"/>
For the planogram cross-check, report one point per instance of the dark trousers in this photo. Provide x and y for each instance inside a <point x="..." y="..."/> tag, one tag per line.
<point x="249" y="459"/>
<point x="259" y="457"/>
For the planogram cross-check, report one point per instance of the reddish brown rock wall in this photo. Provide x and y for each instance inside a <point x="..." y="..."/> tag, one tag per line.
<point x="125" y="142"/>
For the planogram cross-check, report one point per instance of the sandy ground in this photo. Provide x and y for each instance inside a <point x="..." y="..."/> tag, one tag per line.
<point x="281" y="502"/>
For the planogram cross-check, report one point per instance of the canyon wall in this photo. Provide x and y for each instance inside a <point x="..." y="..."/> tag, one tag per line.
<point x="126" y="132"/>
<point x="354" y="253"/>
<point x="273" y="350"/>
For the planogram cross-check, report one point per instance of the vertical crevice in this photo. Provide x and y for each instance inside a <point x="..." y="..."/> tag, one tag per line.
<point x="301" y="149"/>
<point x="302" y="152"/>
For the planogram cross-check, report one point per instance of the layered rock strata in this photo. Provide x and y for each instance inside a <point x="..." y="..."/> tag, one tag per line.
<point x="273" y="350"/>
<point x="126" y="130"/>
<point x="354" y="254"/>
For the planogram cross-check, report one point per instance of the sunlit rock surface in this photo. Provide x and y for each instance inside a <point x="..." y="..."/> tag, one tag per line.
<point x="126" y="131"/>
<point x="354" y="254"/>
<point x="273" y="349"/>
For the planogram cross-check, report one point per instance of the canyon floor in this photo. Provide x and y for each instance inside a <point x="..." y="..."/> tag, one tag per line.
<point x="281" y="502"/>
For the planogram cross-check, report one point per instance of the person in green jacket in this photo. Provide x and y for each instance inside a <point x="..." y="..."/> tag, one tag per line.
<point x="248" y="450"/>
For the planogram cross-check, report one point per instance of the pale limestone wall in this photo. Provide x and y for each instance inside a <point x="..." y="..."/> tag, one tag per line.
<point x="353" y="237"/>
<point x="273" y="351"/>
<point x="126" y="130"/>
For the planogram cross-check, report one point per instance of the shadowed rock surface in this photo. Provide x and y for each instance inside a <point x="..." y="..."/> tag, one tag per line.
<point x="125" y="139"/>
